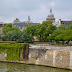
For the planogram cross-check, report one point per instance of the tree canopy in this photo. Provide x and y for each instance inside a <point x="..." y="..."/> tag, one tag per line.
<point x="41" y="31"/>
<point x="62" y="33"/>
<point x="9" y="27"/>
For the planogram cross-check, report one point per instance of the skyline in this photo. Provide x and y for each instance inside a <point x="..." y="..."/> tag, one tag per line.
<point x="38" y="10"/>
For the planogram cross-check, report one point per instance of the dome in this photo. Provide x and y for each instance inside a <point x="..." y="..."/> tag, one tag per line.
<point x="51" y="16"/>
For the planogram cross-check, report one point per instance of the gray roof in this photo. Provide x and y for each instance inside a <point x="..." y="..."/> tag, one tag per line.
<point x="23" y="24"/>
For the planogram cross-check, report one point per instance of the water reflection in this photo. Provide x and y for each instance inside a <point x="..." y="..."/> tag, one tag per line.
<point x="13" y="67"/>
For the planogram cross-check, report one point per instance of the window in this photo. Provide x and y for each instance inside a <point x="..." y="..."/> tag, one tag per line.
<point x="62" y="23"/>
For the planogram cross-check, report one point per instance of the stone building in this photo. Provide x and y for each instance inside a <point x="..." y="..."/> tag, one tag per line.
<point x="23" y="25"/>
<point x="59" y="22"/>
<point x="51" y="16"/>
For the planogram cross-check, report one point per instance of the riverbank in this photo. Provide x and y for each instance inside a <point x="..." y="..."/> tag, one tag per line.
<point x="53" y="56"/>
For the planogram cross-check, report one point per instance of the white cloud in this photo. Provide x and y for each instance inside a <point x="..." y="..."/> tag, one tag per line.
<point x="64" y="15"/>
<point x="36" y="15"/>
<point x="52" y="4"/>
<point x="37" y="9"/>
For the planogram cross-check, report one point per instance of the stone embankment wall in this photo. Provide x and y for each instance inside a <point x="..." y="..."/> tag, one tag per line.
<point x="45" y="57"/>
<point x="53" y="58"/>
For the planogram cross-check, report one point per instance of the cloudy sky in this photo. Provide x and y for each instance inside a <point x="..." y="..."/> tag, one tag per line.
<point x="38" y="10"/>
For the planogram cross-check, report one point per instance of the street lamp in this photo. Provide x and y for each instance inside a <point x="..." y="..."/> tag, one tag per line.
<point x="49" y="38"/>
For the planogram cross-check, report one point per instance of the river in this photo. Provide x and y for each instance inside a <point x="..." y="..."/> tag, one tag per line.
<point x="15" y="67"/>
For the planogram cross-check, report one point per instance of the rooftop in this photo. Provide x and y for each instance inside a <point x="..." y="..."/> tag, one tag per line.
<point x="22" y="24"/>
<point x="67" y="21"/>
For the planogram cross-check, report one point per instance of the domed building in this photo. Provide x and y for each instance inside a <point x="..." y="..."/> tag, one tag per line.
<point x="51" y="16"/>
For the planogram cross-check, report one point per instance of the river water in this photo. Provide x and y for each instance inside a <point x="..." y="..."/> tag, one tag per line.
<point x="14" y="67"/>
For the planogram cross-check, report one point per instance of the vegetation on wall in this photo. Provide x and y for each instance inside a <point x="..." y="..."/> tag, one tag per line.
<point x="12" y="50"/>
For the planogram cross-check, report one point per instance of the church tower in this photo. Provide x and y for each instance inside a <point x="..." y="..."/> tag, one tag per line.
<point x="51" y="16"/>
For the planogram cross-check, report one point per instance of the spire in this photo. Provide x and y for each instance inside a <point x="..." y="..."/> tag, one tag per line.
<point x="28" y="18"/>
<point x="50" y="10"/>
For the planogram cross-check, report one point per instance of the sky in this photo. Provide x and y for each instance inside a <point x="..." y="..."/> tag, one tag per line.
<point x="38" y="10"/>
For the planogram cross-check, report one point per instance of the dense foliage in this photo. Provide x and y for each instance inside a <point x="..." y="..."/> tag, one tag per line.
<point x="11" y="33"/>
<point x="62" y="33"/>
<point x="9" y="27"/>
<point x="41" y="31"/>
<point x="12" y="50"/>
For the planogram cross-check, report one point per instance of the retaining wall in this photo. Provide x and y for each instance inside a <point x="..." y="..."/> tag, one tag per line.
<point x="45" y="57"/>
<point x="60" y="59"/>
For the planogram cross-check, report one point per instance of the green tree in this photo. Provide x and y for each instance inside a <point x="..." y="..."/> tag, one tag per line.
<point x="9" y="27"/>
<point x="46" y="23"/>
<point x="30" y="29"/>
<point x="70" y="26"/>
<point x="44" y="30"/>
<point x="12" y="36"/>
<point x="62" y="27"/>
<point x="68" y="35"/>
<point x="59" y="37"/>
<point x="55" y="33"/>
<point x="25" y="37"/>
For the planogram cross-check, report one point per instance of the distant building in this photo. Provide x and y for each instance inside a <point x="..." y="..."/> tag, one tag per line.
<point x="23" y="25"/>
<point x="58" y="23"/>
<point x="51" y="16"/>
<point x="16" y="20"/>
<point x="66" y="23"/>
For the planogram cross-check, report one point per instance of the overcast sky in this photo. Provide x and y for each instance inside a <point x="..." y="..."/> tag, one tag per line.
<point x="38" y="10"/>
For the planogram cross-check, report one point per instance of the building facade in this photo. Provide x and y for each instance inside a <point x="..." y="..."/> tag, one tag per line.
<point x="23" y="25"/>
<point x="66" y="23"/>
